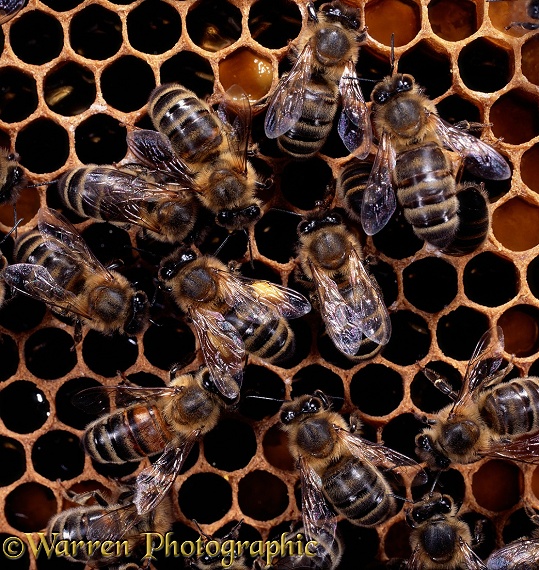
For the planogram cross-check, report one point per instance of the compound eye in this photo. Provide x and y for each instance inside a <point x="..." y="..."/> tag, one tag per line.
<point x="287" y="417"/>
<point x="407" y="83"/>
<point x="423" y="442"/>
<point x="311" y="406"/>
<point x="224" y="217"/>
<point x="381" y="96"/>
<point x="445" y="503"/>
<point x="252" y="212"/>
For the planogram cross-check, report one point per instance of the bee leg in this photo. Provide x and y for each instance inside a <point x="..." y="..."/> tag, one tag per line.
<point x="77" y="334"/>
<point x="523" y="25"/>
<point x="478" y="534"/>
<point x="83" y="498"/>
<point x="355" y="422"/>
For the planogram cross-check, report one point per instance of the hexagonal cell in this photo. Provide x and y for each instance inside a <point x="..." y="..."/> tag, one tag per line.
<point x="399" y="17"/>
<point x="62" y="5"/>
<point x="100" y="139"/>
<point x="18" y="97"/>
<point x="276" y="451"/>
<point x="262" y="496"/>
<point x="368" y="383"/>
<point x="399" y="433"/>
<point x="508" y="489"/>
<point x="22" y="313"/>
<point x="515" y="117"/>
<point x="69" y="89"/>
<point x="449" y="481"/>
<point x="105" y="355"/>
<point x="529" y="62"/>
<point x="153" y="27"/>
<point x="430" y="284"/>
<point x="127" y="83"/>
<point x="490" y="280"/>
<point x="459" y="331"/>
<point x="260" y="381"/>
<point x="519" y="524"/>
<point x="364" y="542"/>
<point x="516" y="224"/>
<point x="29" y="507"/>
<point x="386" y="278"/>
<point x="37" y="156"/>
<point x="276" y="236"/>
<point x="13" y="460"/>
<point x="417" y="60"/>
<point x="213" y="24"/>
<point x="453" y="20"/>
<point x="28" y="204"/>
<point x="425" y="395"/>
<point x="109" y="243"/>
<point x="57" y="454"/>
<point x="504" y="14"/>
<point x="36" y="37"/>
<point x="23" y="407"/>
<point x="410" y="338"/>
<point x="274" y="23"/>
<point x="304" y="183"/>
<point x="455" y="108"/>
<point x="528" y="168"/>
<point x="398" y="540"/>
<point x="167" y="342"/>
<point x="397" y="239"/>
<point x="316" y="377"/>
<point x="66" y="411"/>
<point x="205" y="511"/>
<point x="252" y="71"/>
<point x="479" y="523"/>
<point x="9" y="356"/>
<point x="218" y="451"/>
<point x="39" y="347"/>
<point x="486" y="66"/>
<point x="191" y="70"/>
<point x="95" y="32"/>
<point x="520" y="325"/>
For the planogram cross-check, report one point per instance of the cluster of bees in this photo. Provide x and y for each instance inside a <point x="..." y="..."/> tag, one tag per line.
<point x="197" y="160"/>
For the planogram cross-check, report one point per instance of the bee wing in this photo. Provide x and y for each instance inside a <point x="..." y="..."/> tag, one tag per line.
<point x="9" y="9"/>
<point x="354" y="123"/>
<point x="36" y="282"/>
<point x="155" y="150"/>
<point x="114" y="524"/>
<point x="472" y="561"/>
<point x="234" y="111"/>
<point x="60" y="235"/>
<point x="223" y="350"/>
<point x="414" y="562"/>
<point x="480" y="158"/>
<point x="524" y="449"/>
<point x="97" y="398"/>
<point x="286" y="103"/>
<point x="379" y="200"/>
<point x="338" y="315"/>
<point x="154" y="482"/>
<point x="381" y="456"/>
<point x="315" y="510"/>
<point x="519" y="554"/>
<point x="374" y="319"/>
<point x="486" y="359"/>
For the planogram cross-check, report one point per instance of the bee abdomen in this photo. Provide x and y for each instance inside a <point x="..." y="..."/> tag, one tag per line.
<point x="129" y="435"/>
<point x="512" y="408"/>
<point x="189" y="124"/>
<point x="426" y="191"/>
<point x="358" y="492"/>
<point x="352" y="183"/>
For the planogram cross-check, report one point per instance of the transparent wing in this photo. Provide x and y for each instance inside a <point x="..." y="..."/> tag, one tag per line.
<point x="97" y="399"/>
<point x="524" y="449"/>
<point x="354" y="123"/>
<point x="9" y="9"/>
<point x="235" y="114"/>
<point x="480" y="158"/>
<point x="414" y="562"/>
<point x="485" y="361"/>
<point x="521" y="552"/>
<point x="315" y="511"/>
<point x="286" y="103"/>
<point x="381" y="456"/>
<point x="379" y="200"/>
<point x="60" y="235"/>
<point x="223" y="350"/>
<point x="338" y="315"/>
<point x="472" y="561"/>
<point x="36" y="282"/>
<point x="154" y="482"/>
<point x="114" y="524"/>
<point x="155" y="151"/>
<point x="374" y="321"/>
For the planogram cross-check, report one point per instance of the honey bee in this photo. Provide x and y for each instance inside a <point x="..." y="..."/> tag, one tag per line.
<point x="439" y="539"/>
<point x="487" y="418"/>
<point x="190" y="146"/>
<point x="339" y="470"/>
<point x="411" y="158"/>
<point x="152" y="420"/>
<point x="351" y="184"/>
<point x="130" y="196"/>
<point x="56" y="266"/>
<point x="348" y="298"/>
<point x="12" y="178"/>
<point x="231" y="314"/>
<point x="107" y="520"/>
<point x="10" y="8"/>
<point x="302" y="108"/>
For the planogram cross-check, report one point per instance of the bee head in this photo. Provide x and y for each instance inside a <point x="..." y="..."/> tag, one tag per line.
<point x="304" y="405"/>
<point x="171" y="265"/>
<point x="432" y="505"/>
<point x="310" y="225"/>
<point x="209" y="385"/>
<point x="137" y="313"/>
<point x="391" y="86"/>
<point x="427" y="451"/>
<point x="345" y="15"/>
<point x="533" y="9"/>
<point x="235" y="219"/>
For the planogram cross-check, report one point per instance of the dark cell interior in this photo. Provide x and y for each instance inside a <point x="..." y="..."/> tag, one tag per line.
<point x="69" y="89"/>
<point x="449" y="482"/>
<point x="22" y="314"/>
<point x="214" y="24"/>
<point x="517" y="525"/>
<point x="67" y="411"/>
<point x="274" y="23"/>
<point x="458" y="332"/>
<point x="23" y="407"/>
<point x="455" y="108"/>
<point x="205" y="512"/>
<point x="114" y="470"/>
<point x="191" y="70"/>
<point x="100" y="139"/>
<point x="276" y="451"/>
<point x="9" y="356"/>
<point x="261" y="495"/>
<point x="168" y="342"/>
<point x="218" y="451"/>
<point x="262" y="391"/>
<point x="528" y="170"/>
<point x="484" y="66"/>
<point x="13" y="459"/>
<point x="95" y="32"/>
<point x="153" y="27"/>
<point x="479" y="523"/>
<point x="368" y="383"/>
<point x="397" y="239"/>
<point x="410" y="338"/>
<point x="304" y="183"/>
<point x="529" y="60"/>
<point x="316" y="377"/>
<point x="18" y="95"/>
<point x="105" y="355"/>
<point x="36" y="37"/>
<point x="399" y="433"/>
<point x="58" y="454"/>
<point x="41" y="344"/>
<point x="29" y="506"/>
<point x="38" y="157"/>
<point x="425" y="395"/>
<point x="276" y="235"/>
<point x="490" y="280"/>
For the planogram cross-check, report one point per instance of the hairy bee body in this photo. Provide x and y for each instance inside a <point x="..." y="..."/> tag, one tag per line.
<point x="124" y="196"/>
<point x="351" y="184"/>
<point x="140" y="430"/>
<point x="12" y="178"/>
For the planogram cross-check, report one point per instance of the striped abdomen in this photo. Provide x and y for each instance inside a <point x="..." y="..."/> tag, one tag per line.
<point x="310" y="132"/>
<point x="188" y="122"/>
<point x="426" y="190"/>
<point x="512" y="408"/>
<point x="352" y="183"/>
<point x="358" y="491"/>
<point x="127" y="435"/>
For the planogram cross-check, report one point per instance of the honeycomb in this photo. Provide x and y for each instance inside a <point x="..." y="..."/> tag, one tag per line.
<point x="75" y="75"/>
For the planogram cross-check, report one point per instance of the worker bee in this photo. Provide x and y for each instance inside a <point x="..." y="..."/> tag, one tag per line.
<point x="487" y="418"/>
<point x="107" y="520"/>
<point x="12" y="178"/>
<point x="190" y="146"/>
<point x="10" y="8"/>
<point x="411" y="158"/>
<point x="351" y="184"/>
<point x="439" y="539"/>
<point x="339" y="469"/>
<point x="54" y="265"/>
<point x="517" y="555"/>
<point x="302" y="108"/>
<point x="348" y="298"/>
<point x="231" y="314"/>
<point x="152" y="420"/>
<point x="130" y="196"/>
